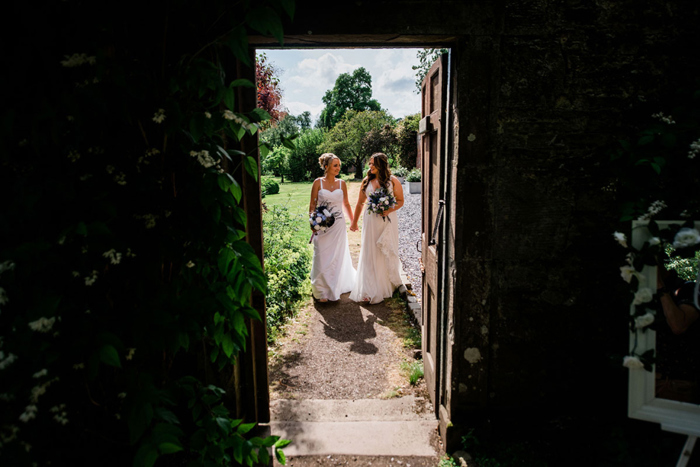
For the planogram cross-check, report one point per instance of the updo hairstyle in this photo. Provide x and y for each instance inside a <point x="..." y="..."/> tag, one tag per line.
<point x="325" y="160"/>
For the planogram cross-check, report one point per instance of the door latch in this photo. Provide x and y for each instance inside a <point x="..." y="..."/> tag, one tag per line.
<point x="433" y="240"/>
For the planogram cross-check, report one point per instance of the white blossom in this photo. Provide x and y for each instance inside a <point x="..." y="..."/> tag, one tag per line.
<point x="159" y="116"/>
<point x="620" y="238"/>
<point x="627" y="272"/>
<point x="643" y="295"/>
<point x="29" y="413"/>
<point x="632" y="362"/>
<point x="130" y="353"/>
<point x="190" y="264"/>
<point x="74" y="156"/>
<point x="654" y="209"/>
<point x="319" y="220"/>
<point x="72" y="61"/>
<point x="694" y="149"/>
<point x="686" y="237"/>
<point x="113" y="256"/>
<point x="207" y="114"/>
<point x="91" y="279"/>
<point x="317" y="227"/>
<point x="666" y="119"/>
<point x="326" y="213"/>
<point x="654" y="241"/>
<point x="121" y="395"/>
<point x="228" y="115"/>
<point x="120" y="178"/>
<point x="7" y="266"/>
<point x="644" y="320"/>
<point x="60" y="415"/>
<point x="41" y="373"/>
<point x="109" y="169"/>
<point x="6" y="361"/>
<point x="42" y="324"/>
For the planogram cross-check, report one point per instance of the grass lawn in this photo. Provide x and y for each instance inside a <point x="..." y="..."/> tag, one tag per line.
<point x="296" y="195"/>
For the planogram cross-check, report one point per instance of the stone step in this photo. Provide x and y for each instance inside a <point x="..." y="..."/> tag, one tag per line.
<point x="359" y="438"/>
<point x="407" y="408"/>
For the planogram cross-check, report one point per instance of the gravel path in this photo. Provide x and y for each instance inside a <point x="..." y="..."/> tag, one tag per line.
<point x="409" y="233"/>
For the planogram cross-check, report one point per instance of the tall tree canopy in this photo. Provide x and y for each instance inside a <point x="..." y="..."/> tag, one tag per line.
<point x="351" y="92"/>
<point x="348" y="140"/>
<point x="426" y="58"/>
<point x="269" y="91"/>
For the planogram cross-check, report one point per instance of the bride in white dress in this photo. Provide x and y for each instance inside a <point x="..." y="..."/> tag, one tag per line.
<point x="378" y="270"/>
<point x="332" y="273"/>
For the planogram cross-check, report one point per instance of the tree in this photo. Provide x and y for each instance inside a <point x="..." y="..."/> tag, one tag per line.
<point x="269" y="91"/>
<point x="302" y="161"/>
<point x="426" y="58"/>
<point x="351" y="92"/>
<point x="288" y="127"/>
<point x="347" y="138"/>
<point x="406" y="143"/>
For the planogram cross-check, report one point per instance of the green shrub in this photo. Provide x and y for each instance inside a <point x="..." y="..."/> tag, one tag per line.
<point x="287" y="267"/>
<point x="302" y="161"/>
<point x="400" y="171"/>
<point x="414" y="175"/>
<point x="269" y="186"/>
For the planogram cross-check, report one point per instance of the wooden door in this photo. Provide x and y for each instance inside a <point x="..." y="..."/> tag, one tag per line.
<point x="434" y="100"/>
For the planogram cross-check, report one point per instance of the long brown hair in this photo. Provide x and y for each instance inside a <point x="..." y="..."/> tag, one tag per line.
<point x="381" y="163"/>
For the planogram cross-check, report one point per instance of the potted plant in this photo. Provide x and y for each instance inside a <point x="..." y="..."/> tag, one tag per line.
<point x="400" y="172"/>
<point x="413" y="181"/>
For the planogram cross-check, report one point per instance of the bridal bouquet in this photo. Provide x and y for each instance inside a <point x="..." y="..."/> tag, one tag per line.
<point x="380" y="201"/>
<point x="321" y="219"/>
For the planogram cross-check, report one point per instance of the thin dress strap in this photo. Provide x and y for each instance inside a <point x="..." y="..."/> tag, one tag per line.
<point x="321" y="183"/>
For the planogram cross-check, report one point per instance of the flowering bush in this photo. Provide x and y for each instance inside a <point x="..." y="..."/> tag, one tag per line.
<point x="125" y="279"/>
<point x="656" y="177"/>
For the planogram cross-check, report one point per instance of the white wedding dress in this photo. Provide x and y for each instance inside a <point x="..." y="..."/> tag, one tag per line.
<point x="332" y="273"/>
<point x="378" y="270"/>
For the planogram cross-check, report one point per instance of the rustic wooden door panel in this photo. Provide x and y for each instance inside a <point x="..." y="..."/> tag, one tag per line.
<point x="434" y="93"/>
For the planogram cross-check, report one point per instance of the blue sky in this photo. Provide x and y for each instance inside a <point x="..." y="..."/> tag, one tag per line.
<point x="306" y="75"/>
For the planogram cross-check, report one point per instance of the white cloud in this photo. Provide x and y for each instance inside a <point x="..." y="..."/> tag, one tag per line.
<point x="321" y="72"/>
<point x="308" y="74"/>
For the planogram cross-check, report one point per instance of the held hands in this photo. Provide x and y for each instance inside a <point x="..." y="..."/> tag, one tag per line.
<point x="353" y="227"/>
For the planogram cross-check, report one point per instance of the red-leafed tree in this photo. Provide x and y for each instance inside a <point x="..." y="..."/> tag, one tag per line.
<point x="269" y="91"/>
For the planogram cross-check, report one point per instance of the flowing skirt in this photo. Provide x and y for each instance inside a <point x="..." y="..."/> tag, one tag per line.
<point x="378" y="270"/>
<point x="332" y="273"/>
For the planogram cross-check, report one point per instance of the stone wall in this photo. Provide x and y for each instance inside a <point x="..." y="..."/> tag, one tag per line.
<point x="534" y="208"/>
<point x="543" y="89"/>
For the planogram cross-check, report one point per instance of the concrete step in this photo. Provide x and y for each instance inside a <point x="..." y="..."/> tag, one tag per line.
<point x="407" y="408"/>
<point x="366" y="427"/>
<point x="363" y="438"/>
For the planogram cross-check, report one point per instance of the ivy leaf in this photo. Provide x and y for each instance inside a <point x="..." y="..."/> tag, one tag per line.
<point x="227" y="345"/>
<point x="146" y="456"/>
<point x="169" y="448"/>
<point x="264" y="150"/>
<point x="288" y="6"/>
<point x="656" y="167"/>
<point x="289" y="143"/>
<point x="280" y="457"/>
<point x="261" y="114"/>
<point x="224" y="181"/>
<point x="238" y="43"/>
<point x="266" y="21"/>
<point x="646" y="139"/>
<point x="109" y="355"/>
<point x="245" y="428"/>
<point x="264" y="456"/>
<point x="251" y="166"/>
<point x="229" y="99"/>
<point x="236" y="190"/>
<point x="282" y="443"/>
<point x="242" y="82"/>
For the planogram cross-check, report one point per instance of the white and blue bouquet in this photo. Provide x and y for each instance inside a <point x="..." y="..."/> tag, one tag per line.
<point x="380" y="201"/>
<point x="321" y="219"/>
